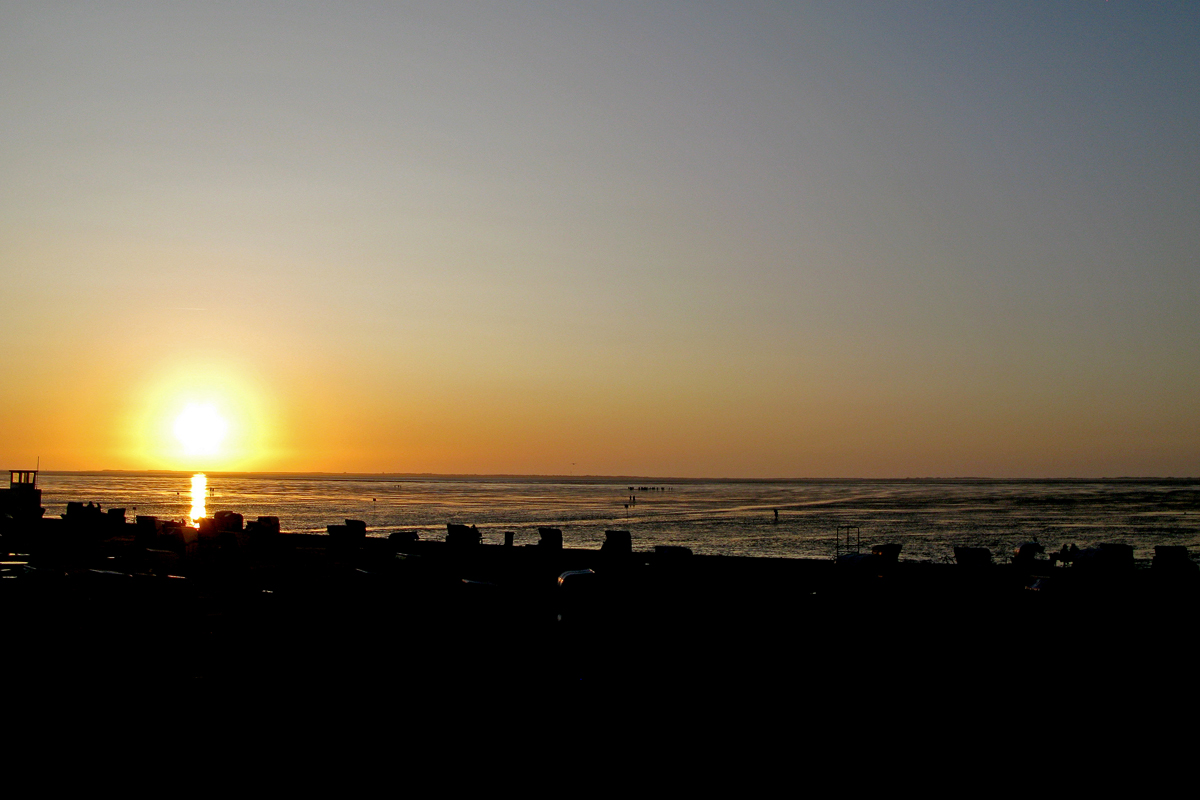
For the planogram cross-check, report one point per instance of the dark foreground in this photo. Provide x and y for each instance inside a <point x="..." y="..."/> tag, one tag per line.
<point x="252" y="610"/>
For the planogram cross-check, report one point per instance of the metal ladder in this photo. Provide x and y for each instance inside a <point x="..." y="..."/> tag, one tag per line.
<point x="847" y="530"/>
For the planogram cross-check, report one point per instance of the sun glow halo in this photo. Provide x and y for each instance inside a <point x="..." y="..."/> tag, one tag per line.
<point x="200" y="428"/>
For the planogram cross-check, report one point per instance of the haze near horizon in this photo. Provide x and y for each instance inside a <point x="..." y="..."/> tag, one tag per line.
<point x="691" y="240"/>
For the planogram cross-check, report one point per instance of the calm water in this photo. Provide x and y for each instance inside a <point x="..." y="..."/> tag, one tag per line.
<point x="731" y="518"/>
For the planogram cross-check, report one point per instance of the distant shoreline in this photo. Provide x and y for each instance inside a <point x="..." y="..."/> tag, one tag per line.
<point x="625" y="479"/>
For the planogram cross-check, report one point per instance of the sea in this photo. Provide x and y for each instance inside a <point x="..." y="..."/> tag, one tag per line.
<point x="786" y="518"/>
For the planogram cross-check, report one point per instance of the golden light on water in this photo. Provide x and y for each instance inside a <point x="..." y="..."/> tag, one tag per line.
<point x="199" y="489"/>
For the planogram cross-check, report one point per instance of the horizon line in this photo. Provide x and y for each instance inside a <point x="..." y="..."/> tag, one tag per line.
<point x="560" y="476"/>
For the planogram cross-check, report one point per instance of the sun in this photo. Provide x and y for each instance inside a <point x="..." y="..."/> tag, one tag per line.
<point x="200" y="428"/>
<point x="202" y="415"/>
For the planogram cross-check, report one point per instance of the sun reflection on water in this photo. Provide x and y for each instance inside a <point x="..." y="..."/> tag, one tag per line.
<point x="199" y="489"/>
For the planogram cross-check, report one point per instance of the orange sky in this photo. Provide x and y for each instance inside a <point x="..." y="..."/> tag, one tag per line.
<point x="859" y="240"/>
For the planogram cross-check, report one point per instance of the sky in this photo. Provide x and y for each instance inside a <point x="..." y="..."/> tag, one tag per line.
<point x="691" y="239"/>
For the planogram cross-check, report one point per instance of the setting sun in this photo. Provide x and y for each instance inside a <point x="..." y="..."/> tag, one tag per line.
<point x="199" y="414"/>
<point x="201" y="429"/>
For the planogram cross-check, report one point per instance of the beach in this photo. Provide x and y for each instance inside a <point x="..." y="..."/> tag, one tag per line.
<point x="927" y="517"/>
<point x="242" y="602"/>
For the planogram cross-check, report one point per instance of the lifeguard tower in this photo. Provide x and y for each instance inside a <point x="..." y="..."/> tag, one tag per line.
<point x="22" y="499"/>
